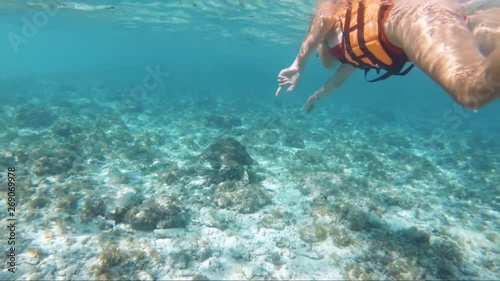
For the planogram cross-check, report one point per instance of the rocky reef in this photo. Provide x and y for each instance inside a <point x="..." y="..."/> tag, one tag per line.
<point x="157" y="194"/>
<point x="229" y="160"/>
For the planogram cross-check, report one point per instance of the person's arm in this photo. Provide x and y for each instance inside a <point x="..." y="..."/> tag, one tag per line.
<point x="321" y="24"/>
<point x="344" y="71"/>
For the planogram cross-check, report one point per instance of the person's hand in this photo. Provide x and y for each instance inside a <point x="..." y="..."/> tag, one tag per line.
<point x="288" y="76"/>
<point x="309" y="105"/>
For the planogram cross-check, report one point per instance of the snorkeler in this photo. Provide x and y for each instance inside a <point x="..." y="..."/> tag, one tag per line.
<point x="458" y="49"/>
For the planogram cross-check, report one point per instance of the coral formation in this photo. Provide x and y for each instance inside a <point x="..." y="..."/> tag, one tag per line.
<point x="156" y="213"/>
<point x="360" y="220"/>
<point x="293" y="141"/>
<point x="340" y="237"/>
<point x="56" y="162"/>
<point x="313" y="233"/>
<point x="92" y="207"/>
<point x="245" y="199"/>
<point x="34" y="117"/>
<point x="358" y="271"/>
<point x="277" y="220"/>
<point x="222" y="121"/>
<point x="333" y="196"/>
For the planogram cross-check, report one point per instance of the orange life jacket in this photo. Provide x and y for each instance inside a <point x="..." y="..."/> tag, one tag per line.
<point x="364" y="42"/>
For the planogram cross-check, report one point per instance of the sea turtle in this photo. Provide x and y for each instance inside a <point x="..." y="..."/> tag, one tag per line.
<point x="230" y="158"/>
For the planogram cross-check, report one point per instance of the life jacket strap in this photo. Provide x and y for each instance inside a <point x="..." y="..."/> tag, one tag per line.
<point x="387" y="74"/>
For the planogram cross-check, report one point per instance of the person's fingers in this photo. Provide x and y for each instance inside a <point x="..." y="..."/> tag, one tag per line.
<point x="279" y="91"/>
<point x="311" y="108"/>
<point x="290" y="89"/>
<point x="283" y="72"/>
<point x="308" y="107"/>
<point x="282" y="84"/>
<point x="305" y="106"/>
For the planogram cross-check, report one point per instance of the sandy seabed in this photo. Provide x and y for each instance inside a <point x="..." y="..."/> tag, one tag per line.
<point x="114" y="187"/>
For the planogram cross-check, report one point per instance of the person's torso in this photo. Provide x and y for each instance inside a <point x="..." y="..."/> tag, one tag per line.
<point x="358" y="36"/>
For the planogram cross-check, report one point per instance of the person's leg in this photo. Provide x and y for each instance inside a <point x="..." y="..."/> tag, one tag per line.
<point x="485" y="25"/>
<point x="438" y="41"/>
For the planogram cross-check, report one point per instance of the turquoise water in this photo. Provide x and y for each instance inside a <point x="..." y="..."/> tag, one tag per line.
<point x="116" y="122"/>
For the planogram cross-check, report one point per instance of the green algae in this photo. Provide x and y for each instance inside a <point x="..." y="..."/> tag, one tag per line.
<point x="358" y="271"/>
<point x="340" y="237"/>
<point x="245" y="199"/>
<point x="313" y="233"/>
<point x="92" y="207"/>
<point x="156" y="214"/>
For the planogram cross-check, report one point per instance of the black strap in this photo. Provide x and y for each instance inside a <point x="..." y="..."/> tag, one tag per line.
<point x="346" y="30"/>
<point x="361" y="38"/>
<point x="388" y="74"/>
<point x="395" y="67"/>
